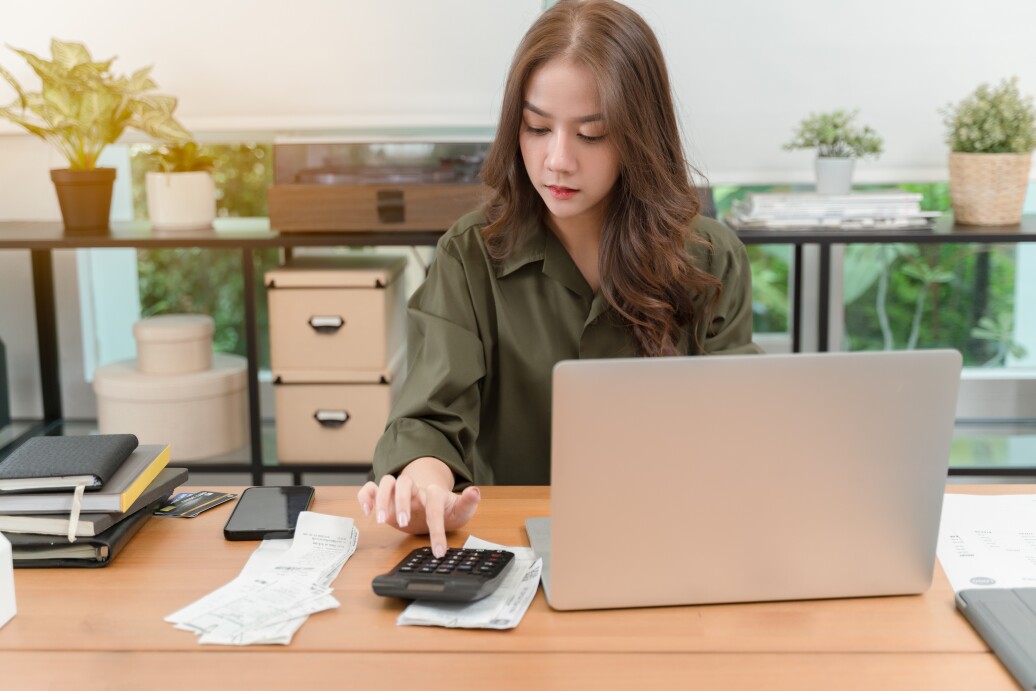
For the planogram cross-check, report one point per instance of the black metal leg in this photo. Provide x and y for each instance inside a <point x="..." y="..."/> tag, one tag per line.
<point x="796" y="301"/>
<point x="252" y="351"/>
<point x="824" y="296"/>
<point x="47" y="334"/>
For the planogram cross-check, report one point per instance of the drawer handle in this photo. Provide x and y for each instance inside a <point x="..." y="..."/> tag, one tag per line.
<point x="331" y="418"/>
<point x="326" y="325"/>
<point x="391" y="206"/>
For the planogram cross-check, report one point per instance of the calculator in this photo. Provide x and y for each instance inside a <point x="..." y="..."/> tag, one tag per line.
<point x="462" y="575"/>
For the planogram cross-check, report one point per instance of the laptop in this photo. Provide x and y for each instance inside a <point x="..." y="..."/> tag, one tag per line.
<point x="695" y="480"/>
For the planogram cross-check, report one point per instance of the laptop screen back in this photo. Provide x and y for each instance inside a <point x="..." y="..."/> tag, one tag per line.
<point x="746" y="478"/>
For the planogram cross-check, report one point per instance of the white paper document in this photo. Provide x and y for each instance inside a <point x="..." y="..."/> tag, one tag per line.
<point x="988" y="541"/>
<point x="503" y="609"/>
<point x="283" y="582"/>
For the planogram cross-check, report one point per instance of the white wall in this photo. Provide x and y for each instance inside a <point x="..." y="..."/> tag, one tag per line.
<point x="745" y="71"/>
<point x="271" y="64"/>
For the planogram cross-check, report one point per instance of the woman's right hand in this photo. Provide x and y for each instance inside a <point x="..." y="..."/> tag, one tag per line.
<point x="421" y="501"/>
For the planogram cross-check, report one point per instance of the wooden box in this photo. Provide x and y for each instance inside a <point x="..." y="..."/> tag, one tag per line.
<point x="336" y="185"/>
<point x="323" y="208"/>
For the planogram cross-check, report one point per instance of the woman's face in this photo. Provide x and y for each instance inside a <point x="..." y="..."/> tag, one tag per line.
<point x="568" y="155"/>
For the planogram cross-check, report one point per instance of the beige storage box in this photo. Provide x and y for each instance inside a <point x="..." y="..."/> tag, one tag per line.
<point x="174" y="343"/>
<point x="335" y="318"/>
<point x="200" y="415"/>
<point x="330" y="422"/>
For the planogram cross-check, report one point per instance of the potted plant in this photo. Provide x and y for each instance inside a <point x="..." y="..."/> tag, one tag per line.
<point x="991" y="134"/>
<point x="182" y="194"/>
<point x="838" y="143"/>
<point x="81" y="108"/>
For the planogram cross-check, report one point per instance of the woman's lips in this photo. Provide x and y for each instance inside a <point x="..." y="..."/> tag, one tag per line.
<point x="561" y="192"/>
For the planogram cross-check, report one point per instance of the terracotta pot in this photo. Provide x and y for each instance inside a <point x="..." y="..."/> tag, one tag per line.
<point x="85" y="197"/>
<point x="989" y="189"/>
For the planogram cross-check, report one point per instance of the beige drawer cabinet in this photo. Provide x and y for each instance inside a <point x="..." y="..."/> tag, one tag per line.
<point x="337" y="346"/>
<point x="330" y="422"/>
<point x="331" y="316"/>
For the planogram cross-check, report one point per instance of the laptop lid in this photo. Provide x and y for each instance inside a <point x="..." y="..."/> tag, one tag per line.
<point x="747" y="478"/>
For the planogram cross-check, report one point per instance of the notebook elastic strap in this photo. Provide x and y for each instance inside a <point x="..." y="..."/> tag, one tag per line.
<point x="73" y="515"/>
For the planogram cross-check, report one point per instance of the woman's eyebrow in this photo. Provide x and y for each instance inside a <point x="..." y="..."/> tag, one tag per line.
<point x="596" y="117"/>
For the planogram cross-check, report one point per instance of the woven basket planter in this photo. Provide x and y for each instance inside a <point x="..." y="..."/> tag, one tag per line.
<point x="989" y="189"/>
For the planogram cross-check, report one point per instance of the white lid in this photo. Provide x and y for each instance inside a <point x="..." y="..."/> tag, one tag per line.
<point x="121" y="380"/>
<point x="174" y="327"/>
<point x="339" y="271"/>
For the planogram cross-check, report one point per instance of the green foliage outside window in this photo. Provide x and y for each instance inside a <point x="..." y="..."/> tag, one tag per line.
<point x="901" y="296"/>
<point x="209" y="281"/>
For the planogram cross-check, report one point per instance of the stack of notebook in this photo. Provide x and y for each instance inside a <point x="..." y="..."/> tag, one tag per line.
<point x="76" y="501"/>
<point x="808" y="210"/>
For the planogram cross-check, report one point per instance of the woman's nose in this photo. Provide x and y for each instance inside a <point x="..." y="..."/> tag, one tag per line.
<point x="560" y="158"/>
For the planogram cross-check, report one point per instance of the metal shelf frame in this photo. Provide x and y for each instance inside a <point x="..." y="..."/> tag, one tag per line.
<point x="40" y="239"/>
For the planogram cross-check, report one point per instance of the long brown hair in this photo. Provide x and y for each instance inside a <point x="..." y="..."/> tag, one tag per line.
<point x="646" y="273"/>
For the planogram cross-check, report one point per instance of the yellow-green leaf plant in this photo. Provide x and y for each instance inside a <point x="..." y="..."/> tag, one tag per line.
<point x="182" y="157"/>
<point x="82" y="107"/>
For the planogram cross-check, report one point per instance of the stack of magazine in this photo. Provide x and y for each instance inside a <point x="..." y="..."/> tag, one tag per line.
<point x="76" y="501"/>
<point x="808" y="210"/>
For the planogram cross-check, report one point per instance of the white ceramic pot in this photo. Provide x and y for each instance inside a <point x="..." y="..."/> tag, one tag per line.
<point x="181" y="201"/>
<point x="835" y="175"/>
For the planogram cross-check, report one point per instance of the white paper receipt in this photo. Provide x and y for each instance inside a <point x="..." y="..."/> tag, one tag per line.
<point x="503" y="609"/>
<point x="283" y="583"/>
<point x="988" y="541"/>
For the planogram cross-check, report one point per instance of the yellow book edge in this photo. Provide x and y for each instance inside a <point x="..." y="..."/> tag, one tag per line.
<point x="134" y="491"/>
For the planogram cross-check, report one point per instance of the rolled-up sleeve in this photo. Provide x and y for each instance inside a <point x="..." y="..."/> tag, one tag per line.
<point x="730" y="330"/>
<point x="437" y="410"/>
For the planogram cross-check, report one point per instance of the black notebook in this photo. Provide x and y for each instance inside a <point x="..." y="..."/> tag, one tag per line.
<point x="33" y="550"/>
<point x="48" y="463"/>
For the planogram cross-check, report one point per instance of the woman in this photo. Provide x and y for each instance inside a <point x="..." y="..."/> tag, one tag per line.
<point x="589" y="247"/>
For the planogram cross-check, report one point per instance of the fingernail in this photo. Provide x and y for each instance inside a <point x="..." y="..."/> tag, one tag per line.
<point x="366" y="509"/>
<point x="381" y="515"/>
<point x="478" y="493"/>
<point x="439" y="551"/>
<point x="402" y="519"/>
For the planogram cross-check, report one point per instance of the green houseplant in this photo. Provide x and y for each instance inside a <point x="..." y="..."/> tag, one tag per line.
<point x="181" y="195"/>
<point x="80" y="109"/>
<point x="838" y="143"/>
<point x="991" y="134"/>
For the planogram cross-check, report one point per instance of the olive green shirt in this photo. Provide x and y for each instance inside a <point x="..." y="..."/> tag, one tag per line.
<point x="483" y="339"/>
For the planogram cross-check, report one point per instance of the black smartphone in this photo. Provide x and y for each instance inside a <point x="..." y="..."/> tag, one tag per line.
<point x="263" y="512"/>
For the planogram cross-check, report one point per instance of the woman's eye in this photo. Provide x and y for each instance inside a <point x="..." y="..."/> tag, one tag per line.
<point x="591" y="140"/>
<point x="537" y="131"/>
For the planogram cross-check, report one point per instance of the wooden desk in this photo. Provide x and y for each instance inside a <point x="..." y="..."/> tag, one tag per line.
<point x="104" y="628"/>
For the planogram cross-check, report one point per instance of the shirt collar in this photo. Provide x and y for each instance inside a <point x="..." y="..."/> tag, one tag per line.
<point x="542" y="245"/>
